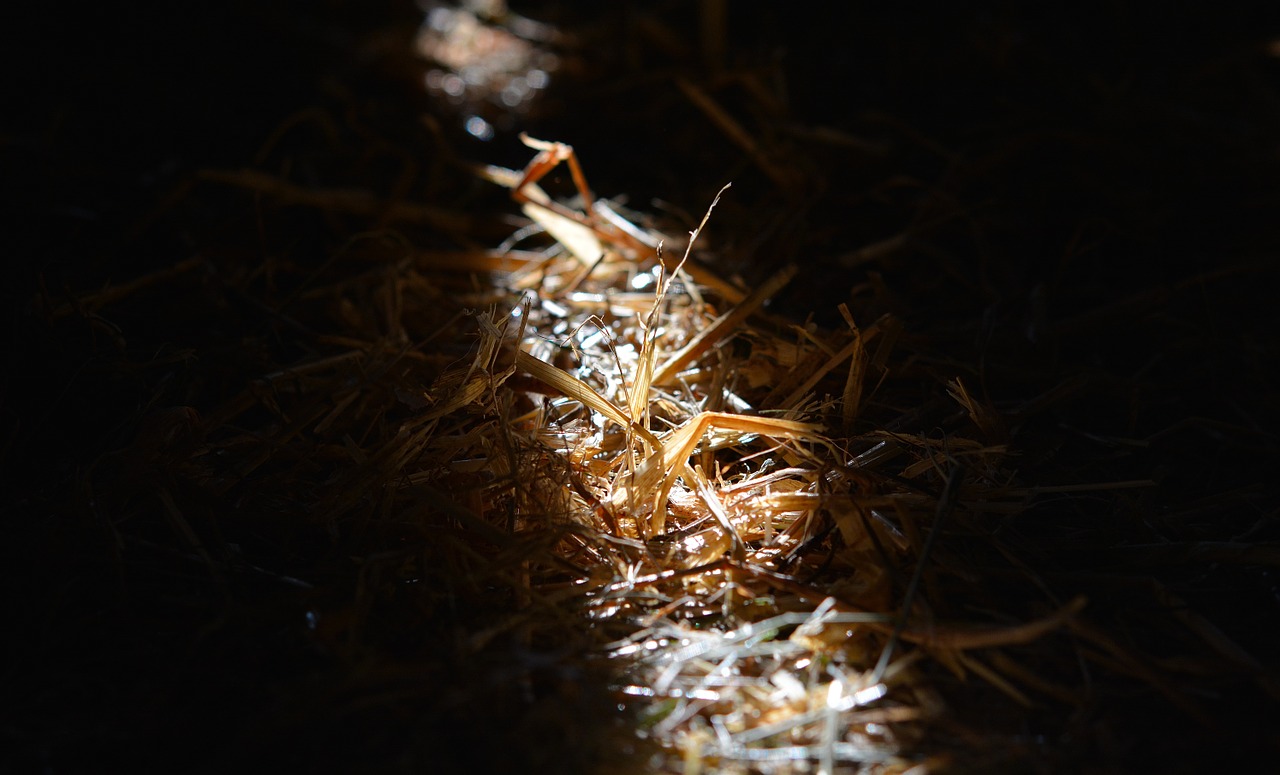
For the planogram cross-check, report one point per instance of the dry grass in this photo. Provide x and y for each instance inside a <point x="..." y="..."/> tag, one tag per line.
<point x="468" y="468"/>
<point x="739" y="565"/>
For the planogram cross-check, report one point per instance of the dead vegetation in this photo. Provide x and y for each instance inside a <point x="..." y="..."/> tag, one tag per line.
<point x="471" y="464"/>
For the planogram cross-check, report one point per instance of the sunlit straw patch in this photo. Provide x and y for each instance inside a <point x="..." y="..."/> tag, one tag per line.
<point x="701" y="482"/>
<point x="486" y="62"/>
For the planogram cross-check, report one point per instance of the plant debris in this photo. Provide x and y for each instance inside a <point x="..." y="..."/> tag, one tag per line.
<point x="885" y="463"/>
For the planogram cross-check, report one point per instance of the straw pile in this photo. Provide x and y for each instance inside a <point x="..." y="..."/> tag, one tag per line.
<point x="467" y="467"/>
<point x="740" y="561"/>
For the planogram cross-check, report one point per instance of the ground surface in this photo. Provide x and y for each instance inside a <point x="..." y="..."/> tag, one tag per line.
<point x="1084" y="208"/>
